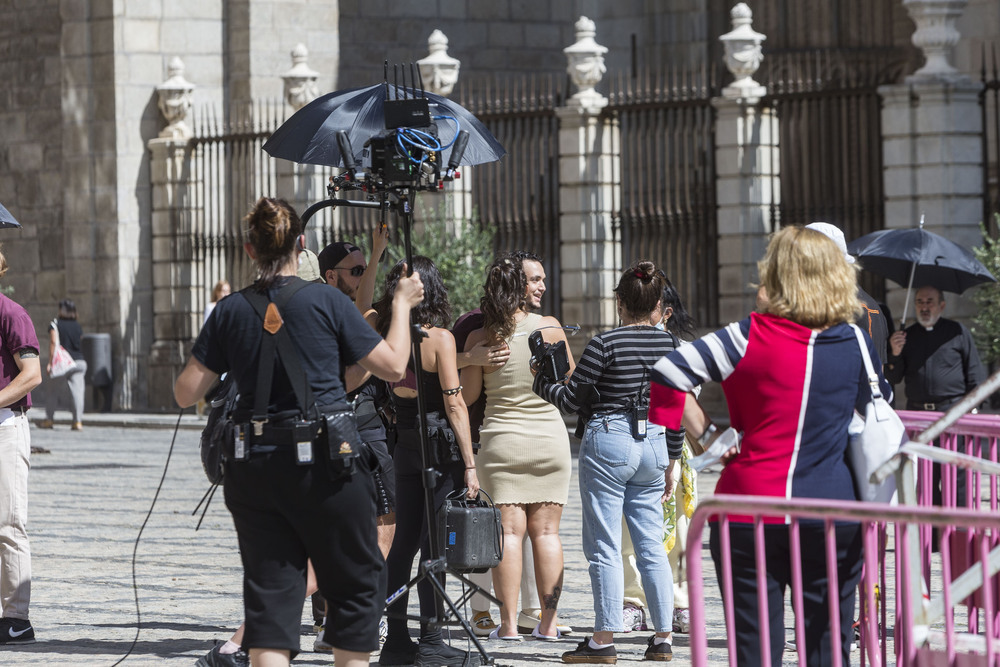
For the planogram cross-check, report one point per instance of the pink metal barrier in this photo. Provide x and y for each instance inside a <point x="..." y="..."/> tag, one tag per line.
<point x="925" y="619"/>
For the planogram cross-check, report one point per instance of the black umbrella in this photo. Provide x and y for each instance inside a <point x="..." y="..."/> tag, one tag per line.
<point x="310" y="135"/>
<point x="918" y="257"/>
<point x="6" y="219"/>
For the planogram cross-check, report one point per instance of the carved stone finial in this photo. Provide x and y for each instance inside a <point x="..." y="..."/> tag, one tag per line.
<point x="175" y="101"/>
<point x="743" y="53"/>
<point x="438" y="70"/>
<point x="300" y="81"/>
<point x="586" y="65"/>
<point x="936" y="36"/>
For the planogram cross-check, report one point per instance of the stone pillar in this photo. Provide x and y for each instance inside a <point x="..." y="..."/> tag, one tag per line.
<point x="746" y="158"/>
<point x="176" y="318"/>
<point x="932" y="145"/>
<point x="588" y="163"/>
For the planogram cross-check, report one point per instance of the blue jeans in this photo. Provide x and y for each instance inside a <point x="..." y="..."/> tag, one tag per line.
<point x="620" y="475"/>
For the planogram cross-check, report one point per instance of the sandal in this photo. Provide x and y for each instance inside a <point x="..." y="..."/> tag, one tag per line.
<point x="513" y="638"/>
<point x="546" y="638"/>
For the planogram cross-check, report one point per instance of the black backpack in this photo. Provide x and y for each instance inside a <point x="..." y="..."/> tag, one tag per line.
<point x="222" y="399"/>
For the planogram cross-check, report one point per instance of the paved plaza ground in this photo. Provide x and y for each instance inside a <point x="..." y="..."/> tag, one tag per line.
<point x="89" y="496"/>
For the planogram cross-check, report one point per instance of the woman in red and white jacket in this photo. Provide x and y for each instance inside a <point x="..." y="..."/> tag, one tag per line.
<point x="792" y="375"/>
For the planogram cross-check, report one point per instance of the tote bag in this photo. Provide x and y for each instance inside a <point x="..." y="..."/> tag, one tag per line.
<point x="874" y="438"/>
<point x="62" y="361"/>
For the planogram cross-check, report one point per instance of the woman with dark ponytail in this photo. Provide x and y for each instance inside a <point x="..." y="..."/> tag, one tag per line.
<point x="288" y="499"/>
<point x="626" y="464"/>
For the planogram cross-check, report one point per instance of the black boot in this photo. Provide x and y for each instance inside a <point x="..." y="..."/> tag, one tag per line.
<point x="439" y="654"/>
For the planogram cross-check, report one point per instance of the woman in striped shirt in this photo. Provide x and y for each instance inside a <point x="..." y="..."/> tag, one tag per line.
<point x="626" y="467"/>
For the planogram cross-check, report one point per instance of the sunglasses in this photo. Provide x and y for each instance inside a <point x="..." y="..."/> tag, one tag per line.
<point x="356" y="271"/>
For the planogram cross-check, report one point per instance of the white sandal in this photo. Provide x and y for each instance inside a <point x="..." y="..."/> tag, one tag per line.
<point x="545" y="638"/>
<point x="513" y="638"/>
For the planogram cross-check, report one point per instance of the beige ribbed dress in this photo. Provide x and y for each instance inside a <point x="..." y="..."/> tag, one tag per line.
<point x="525" y="455"/>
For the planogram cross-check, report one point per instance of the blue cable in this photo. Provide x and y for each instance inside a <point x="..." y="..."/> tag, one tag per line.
<point x="458" y="126"/>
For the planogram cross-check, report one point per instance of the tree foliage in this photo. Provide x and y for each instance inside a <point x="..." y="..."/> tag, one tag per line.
<point x="986" y="323"/>
<point x="462" y="251"/>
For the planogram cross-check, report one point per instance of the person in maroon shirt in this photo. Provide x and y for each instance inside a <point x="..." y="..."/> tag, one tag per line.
<point x="20" y="372"/>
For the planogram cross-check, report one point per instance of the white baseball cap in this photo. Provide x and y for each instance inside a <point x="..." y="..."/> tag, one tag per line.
<point x="834" y="234"/>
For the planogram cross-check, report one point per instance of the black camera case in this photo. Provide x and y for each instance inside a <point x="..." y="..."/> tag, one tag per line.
<point x="470" y="536"/>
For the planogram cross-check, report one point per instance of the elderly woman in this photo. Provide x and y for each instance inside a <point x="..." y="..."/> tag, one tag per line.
<point x="793" y="375"/>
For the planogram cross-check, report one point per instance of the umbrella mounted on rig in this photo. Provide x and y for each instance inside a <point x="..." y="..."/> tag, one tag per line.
<point x="397" y="133"/>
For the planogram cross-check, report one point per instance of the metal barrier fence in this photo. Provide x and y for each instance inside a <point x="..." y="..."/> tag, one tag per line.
<point x="916" y="641"/>
<point x="924" y="562"/>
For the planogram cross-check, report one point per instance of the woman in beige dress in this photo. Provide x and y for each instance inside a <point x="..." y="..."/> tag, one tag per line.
<point x="524" y="463"/>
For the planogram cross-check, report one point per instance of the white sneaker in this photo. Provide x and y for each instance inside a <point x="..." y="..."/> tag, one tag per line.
<point x="482" y="624"/>
<point x="682" y="621"/>
<point x="633" y="617"/>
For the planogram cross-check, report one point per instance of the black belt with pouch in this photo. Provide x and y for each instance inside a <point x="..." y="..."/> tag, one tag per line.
<point x="335" y="433"/>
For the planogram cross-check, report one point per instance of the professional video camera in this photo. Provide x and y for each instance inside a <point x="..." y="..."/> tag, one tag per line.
<point x="549" y="359"/>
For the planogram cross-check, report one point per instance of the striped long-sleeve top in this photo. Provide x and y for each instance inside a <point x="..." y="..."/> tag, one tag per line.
<point x="791" y="391"/>
<point x="613" y="373"/>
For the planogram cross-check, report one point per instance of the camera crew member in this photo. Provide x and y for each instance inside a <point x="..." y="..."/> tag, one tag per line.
<point x="287" y="504"/>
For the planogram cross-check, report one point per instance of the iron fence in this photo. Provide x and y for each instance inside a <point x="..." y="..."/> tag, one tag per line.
<point x="830" y="143"/>
<point x="519" y="195"/>
<point x="989" y="100"/>
<point x="668" y="211"/>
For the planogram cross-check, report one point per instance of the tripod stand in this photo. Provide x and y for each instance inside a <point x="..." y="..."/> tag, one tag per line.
<point x="434" y="569"/>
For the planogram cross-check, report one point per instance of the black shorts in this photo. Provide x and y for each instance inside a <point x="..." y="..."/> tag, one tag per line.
<point x="285" y="513"/>
<point x="384" y="476"/>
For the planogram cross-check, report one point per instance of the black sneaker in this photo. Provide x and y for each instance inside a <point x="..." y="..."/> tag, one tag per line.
<point x="215" y="659"/>
<point x="584" y="654"/>
<point x="442" y="655"/>
<point x="16" y="631"/>
<point x="661" y="652"/>
<point x="393" y="655"/>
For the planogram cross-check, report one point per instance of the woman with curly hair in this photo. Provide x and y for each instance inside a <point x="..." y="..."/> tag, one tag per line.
<point x="448" y="430"/>
<point x="525" y="457"/>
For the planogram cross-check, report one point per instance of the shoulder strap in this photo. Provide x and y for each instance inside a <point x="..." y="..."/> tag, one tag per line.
<point x="278" y="344"/>
<point x="869" y="368"/>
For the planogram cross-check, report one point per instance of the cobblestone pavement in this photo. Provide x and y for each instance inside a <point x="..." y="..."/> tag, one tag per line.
<point x="89" y="496"/>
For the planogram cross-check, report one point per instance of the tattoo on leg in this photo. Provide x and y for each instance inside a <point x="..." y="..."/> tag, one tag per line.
<point x="551" y="601"/>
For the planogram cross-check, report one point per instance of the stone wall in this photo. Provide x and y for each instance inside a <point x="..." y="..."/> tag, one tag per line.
<point x="31" y="156"/>
<point x="514" y="36"/>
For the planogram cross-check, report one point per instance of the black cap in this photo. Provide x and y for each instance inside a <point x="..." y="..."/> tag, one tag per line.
<point x="333" y="255"/>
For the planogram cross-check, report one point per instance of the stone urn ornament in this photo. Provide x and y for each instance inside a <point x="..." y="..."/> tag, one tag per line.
<point x="300" y="81"/>
<point x="743" y="54"/>
<point x="586" y="65"/>
<point x="175" y="98"/>
<point x="438" y="70"/>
